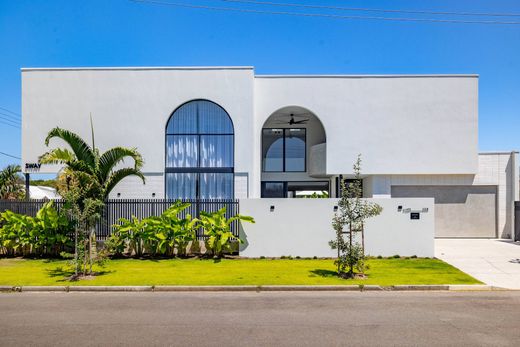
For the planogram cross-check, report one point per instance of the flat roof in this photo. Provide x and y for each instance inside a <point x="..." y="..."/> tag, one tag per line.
<point x="138" y="68"/>
<point x="191" y="68"/>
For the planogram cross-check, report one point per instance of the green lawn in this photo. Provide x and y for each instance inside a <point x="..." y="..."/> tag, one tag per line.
<point x="385" y="272"/>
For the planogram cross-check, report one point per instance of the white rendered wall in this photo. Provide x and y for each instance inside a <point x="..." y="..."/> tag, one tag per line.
<point x="400" y="124"/>
<point x="302" y="227"/>
<point x="498" y="169"/>
<point x="130" y="107"/>
<point x="133" y="188"/>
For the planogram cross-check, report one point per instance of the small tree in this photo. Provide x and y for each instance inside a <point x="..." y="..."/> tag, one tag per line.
<point x="353" y="211"/>
<point x="11" y="183"/>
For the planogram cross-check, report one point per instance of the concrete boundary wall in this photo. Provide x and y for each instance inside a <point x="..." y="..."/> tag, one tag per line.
<point x="302" y="227"/>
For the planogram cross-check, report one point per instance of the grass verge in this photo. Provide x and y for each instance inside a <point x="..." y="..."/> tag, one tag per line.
<point x="385" y="272"/>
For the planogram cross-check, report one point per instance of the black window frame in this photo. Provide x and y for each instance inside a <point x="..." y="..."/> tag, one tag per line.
<point x="284" y="130"/>
<point x="198" y="170"/>
<point x="286" y="186"/>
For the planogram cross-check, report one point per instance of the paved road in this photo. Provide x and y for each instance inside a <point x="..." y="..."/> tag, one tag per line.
<point x="267" y="319"/>
<point x="494" y="262"/>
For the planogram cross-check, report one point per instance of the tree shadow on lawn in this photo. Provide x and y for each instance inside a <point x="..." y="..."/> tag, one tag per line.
<point x="67" y="275"/>
<point x="323" y="273"/>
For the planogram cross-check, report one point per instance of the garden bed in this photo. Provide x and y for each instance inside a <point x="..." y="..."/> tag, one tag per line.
<point x="384" y="272"/>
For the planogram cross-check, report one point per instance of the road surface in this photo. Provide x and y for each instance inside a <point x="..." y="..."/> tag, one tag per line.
<point x="261" y="319"/>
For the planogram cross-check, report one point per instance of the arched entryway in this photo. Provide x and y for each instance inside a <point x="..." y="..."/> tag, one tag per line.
<point x="199" y="152"/>
<point x="293" y="154"/>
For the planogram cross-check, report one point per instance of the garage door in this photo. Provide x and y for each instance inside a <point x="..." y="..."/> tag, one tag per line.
<point x="460" y="211"/>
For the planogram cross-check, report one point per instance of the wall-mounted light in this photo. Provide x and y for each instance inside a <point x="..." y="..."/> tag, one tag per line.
<point x="153" y="195"/>
<point x="118" y="195"/>
<point x="271" y="208"/>
<point x="399" y="208"/>
<point x="335" y="208"/>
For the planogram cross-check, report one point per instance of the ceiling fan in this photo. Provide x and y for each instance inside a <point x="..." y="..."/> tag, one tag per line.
<point x="292" y="120"/>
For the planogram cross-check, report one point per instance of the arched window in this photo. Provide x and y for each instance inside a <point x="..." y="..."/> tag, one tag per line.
<point x="199" y="152"/>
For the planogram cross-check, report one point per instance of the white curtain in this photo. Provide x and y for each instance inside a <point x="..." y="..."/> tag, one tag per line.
<point x="182" y="151"/>
<point x="216" y="151"/>
<point x="181" y="185"/>
<point x="216" y="185"/>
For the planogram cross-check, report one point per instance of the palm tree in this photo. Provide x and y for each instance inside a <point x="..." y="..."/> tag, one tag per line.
<point x="84" y="163"/>
<point x="92" y="174"/>
<point x="11" y="183"/>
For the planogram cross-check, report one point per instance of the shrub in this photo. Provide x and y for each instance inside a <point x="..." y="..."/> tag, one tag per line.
<point x="46" y="234"/>
<point x="218" y="229"/>
<point x="165" y="235"/>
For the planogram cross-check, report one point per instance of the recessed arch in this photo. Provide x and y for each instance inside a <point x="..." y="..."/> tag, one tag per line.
<point x="199" y="147"/>
<point x="293" y="152"/>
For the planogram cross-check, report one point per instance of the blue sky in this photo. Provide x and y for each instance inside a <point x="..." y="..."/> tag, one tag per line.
<point x="53" y="33"/>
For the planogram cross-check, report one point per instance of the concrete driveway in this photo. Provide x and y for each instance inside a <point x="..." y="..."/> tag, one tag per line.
<point x="494" y="262"/>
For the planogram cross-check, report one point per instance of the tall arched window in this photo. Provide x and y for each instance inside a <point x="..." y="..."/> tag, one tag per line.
<point x="199" y="152"/>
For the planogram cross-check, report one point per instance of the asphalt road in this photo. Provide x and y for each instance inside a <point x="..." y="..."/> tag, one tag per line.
<point x="261" y="319"/>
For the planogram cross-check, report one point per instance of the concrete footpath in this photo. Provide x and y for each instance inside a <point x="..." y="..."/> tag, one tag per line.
<point x="494" y="262"/>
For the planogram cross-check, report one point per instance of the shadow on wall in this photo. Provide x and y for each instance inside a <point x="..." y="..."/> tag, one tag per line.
<point x="243" y="236"/>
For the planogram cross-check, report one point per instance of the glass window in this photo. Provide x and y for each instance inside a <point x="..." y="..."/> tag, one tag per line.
<point x="185" y="120"/>
<point x="294" y="149"/>
<point x="182" y="150"/>
<point x="181" y="185"/>
<point x="216" y="150"/>
<point x="272" y="149"/>
<point x="216" y="185"/>
<point x="199" y="152"/>
<point x="273" y="190"/>
<point x="213" y="119"/>
<point x="283" y="150"/>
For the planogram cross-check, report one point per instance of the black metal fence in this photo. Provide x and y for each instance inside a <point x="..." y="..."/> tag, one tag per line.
<point x="115" y="209"/>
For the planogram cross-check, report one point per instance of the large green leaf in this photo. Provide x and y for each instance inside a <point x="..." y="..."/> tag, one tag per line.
<point x="81" y="149"/>
<point x="114" y="156"/>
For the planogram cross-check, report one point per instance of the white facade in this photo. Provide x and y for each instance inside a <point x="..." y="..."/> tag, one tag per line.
<point x="302" y="227"/>
<point x="410" y="129"/>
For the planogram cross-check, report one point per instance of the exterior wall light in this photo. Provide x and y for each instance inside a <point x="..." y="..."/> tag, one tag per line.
<point x="271" y="208"/>
<point x="118" y="195"/>
<point x="153" y="195"/>
<point x="336" y="208"/>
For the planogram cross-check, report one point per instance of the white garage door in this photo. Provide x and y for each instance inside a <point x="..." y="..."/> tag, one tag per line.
<point x="460" y="211"/>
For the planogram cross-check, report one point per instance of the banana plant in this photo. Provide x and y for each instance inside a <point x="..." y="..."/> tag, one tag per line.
<point x="53" y="229"/>
<point x="218" y="229"/>
<point x="15" y="233"/>
<point x="130" y="230"/>
<point x="47" y="233"/>
<point x="176" y="233"/>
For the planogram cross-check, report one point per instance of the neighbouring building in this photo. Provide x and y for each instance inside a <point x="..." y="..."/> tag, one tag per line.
<point x="224" y="132"/>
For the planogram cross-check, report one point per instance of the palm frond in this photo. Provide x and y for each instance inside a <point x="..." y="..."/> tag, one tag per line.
<point x="109" y="160"/>
<point x="81" y="149"/>
<point x="57" y="156"/>
<point x="118" y="175"/>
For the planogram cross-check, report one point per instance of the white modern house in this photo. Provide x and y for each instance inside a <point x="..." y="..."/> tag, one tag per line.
<point x="224" y="132"/>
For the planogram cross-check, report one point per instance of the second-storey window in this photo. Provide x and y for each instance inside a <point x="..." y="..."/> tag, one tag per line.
<point x="283" y="150"/>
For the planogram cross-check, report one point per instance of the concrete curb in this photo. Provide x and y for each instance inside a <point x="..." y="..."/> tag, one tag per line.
<point x="248" y="288"/>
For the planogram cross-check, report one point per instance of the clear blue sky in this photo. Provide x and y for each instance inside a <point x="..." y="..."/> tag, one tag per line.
<point x="52" y="33"/>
